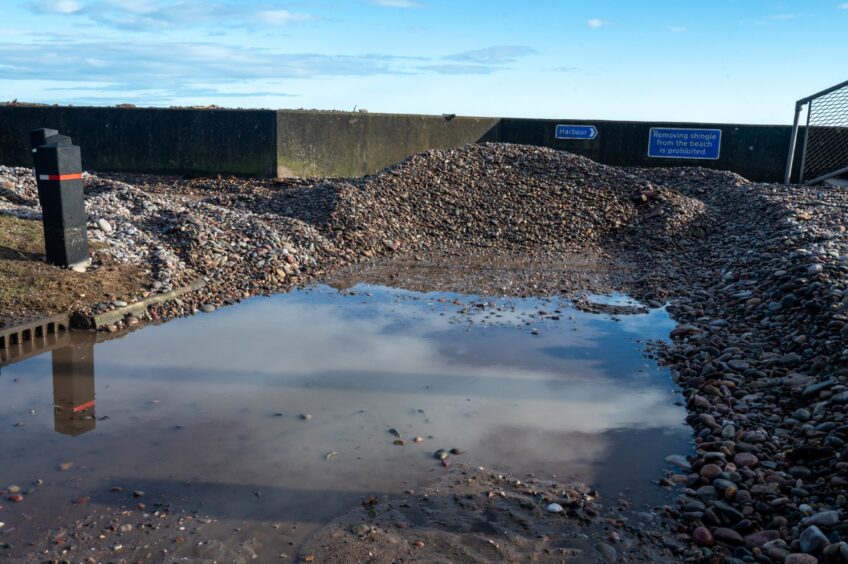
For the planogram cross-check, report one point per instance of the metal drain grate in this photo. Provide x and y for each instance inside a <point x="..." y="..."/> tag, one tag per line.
<point x="30" y="337"/>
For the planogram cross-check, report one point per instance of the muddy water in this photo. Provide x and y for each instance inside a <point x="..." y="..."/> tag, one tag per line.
<point x="265" y="420"/>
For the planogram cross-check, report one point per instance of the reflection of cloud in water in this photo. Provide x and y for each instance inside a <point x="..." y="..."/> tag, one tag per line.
<point x="653" y="325"/>
<point x="374" y="351"/>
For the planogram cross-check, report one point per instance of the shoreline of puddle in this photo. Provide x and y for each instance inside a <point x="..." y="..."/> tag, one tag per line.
<point x="263" y="422"/>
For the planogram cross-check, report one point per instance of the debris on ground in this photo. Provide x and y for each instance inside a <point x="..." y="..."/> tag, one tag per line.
<point x="477" y="515"/>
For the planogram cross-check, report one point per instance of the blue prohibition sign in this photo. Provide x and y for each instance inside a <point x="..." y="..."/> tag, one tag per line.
<point x="576" y="132"/>
<point x="682" y="143"/>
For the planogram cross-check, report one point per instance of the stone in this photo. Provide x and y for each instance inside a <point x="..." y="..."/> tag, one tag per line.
<point x="608" y="553"/>
<point x="680" y="461"/>
<point x="799" y="558"/>
<point x="702" y="536"/>
<point x="104" y="225"/>
<point x="554" y="508"/>
<point x="812" y="540"/>
<point x="758" y="539"/>
<point x="207" y="308"/>
<point x="745" y="459"/>
<point x="822" y="519"/>
<point x="361" y="529"/>
<point x="710" y="471"/>
<point x="727" y="536"/>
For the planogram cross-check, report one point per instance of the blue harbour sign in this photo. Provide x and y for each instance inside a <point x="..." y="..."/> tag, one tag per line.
<point x="584" y="132"/>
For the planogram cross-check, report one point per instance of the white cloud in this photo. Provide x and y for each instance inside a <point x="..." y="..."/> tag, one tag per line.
<point x="142" y="15"/>
<point x="676" y="28"/>
<point x="56" y="6"/>
<point x="134" y="6"/>
<point x="767" y="19"/>
<point x="595" y="23"/>
<point x="137" y="66"/>
<point x="397" y="3"/>
<point x="497" y="55"/>
<point x="843" y="6"/>
<point x="282" y="17"/>
<point x="782" y="17"/>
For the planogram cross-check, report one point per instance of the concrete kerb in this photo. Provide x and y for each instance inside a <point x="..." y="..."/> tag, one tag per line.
<point x="137" y="309"/>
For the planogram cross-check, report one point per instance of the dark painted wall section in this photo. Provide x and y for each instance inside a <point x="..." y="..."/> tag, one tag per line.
<point x="311" y="143"/>
<point x="177" y="141"/>
<point x="757" y="152"/>
<point x="305" y="143"/>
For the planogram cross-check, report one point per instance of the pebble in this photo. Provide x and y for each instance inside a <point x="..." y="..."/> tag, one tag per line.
<point x="207" y="308"/>
<point x="822" y="519"/>
<point x="361" y="529"/>
<point x="305" y="416"/>
<point x="727" y="536"/>
<point x="799" y="558"/>
<point x="554" y="508"/>
<point x="745" y="459"/>
<point x="608" y="553"/>
<point x="104" y="225"/>
<point x="812" y="540"/>
<point x="680" y="461"/>
<point x="702" y="536"/>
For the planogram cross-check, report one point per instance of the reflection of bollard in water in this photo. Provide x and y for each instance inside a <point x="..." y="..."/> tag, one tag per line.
<point x="73" y="389"/>
<point x="58" y="172"/>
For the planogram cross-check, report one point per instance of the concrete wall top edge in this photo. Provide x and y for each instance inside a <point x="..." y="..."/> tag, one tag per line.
<point x="581" y="120"/>
<point x="134" y="108"/>
<point x="654" y="123"/>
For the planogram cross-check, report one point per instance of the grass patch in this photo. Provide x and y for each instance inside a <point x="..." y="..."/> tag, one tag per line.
<point x="30" y="287"/>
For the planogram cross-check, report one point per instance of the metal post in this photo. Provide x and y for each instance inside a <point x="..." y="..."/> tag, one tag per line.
<point x="58" y="172"/>
<point x="790" y="158"/>
<point x="806" y="140"/>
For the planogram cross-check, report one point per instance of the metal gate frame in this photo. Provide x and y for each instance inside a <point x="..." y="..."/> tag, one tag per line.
<point x="790" y="159"/>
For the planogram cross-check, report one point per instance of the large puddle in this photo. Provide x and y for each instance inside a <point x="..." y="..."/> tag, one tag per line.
<point x="270" y="418"/>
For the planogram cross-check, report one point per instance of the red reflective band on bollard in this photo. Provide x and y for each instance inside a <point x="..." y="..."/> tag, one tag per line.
<point x="84" y="406"/>
<point x="77" y="176"/>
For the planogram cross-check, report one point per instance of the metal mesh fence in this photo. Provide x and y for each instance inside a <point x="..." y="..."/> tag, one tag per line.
<point x="826" y="143"/>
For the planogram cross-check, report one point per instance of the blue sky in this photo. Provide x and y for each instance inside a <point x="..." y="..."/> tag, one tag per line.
<point x="718" y="60"/>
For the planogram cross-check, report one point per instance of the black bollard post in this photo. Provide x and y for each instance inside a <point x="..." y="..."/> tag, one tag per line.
<point x="58" y="172"/>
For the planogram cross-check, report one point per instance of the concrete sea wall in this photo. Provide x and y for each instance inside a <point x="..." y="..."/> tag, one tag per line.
<point x="324" y="143"/>
<point x="353" y="144"/>
<point x="161" y="140"/>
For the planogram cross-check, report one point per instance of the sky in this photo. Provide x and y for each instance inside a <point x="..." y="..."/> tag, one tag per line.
<point x="743" y="61"/>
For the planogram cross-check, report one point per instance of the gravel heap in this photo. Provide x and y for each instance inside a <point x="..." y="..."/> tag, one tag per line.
<point x="504" y="196"/>
<point x="180" y="240"/>
<point x="760" y="353"/>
